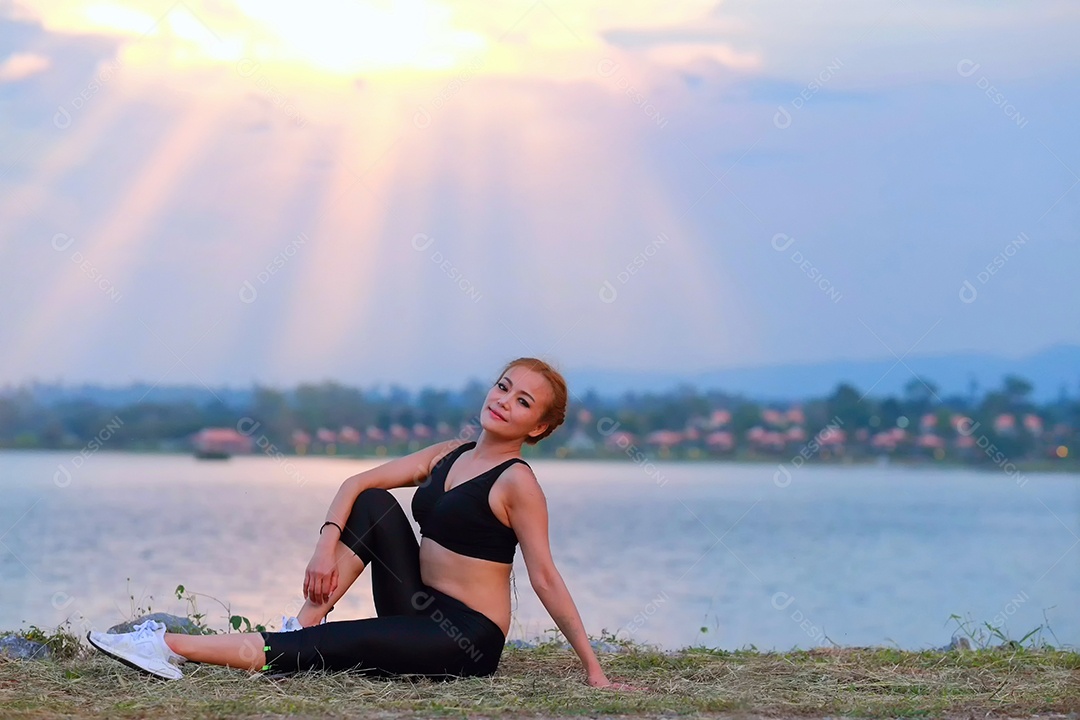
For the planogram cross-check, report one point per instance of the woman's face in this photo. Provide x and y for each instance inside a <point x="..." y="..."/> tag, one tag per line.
<point x="515" y="403"/>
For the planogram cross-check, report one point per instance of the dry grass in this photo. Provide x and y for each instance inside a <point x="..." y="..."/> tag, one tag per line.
<point x="548" y="682"/>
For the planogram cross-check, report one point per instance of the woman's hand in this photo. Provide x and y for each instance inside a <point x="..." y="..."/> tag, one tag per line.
<point x="321" y="576"/>
<point x="600" y="681"/>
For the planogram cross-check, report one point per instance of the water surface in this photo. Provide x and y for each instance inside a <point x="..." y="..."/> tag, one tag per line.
<point x="850" y="555"/>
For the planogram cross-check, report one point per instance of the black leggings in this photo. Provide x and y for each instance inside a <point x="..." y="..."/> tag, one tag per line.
<point x="419" y="630"/>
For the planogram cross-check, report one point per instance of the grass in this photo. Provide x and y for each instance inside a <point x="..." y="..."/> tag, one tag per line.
<point x="1007" y="680"/>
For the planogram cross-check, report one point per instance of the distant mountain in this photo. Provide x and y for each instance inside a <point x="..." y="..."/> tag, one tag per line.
<point x="50" y="394"/>
<point x="953" y="373"/>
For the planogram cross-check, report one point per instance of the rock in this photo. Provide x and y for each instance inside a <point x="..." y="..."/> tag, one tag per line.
<point x="602" y="646"/>
<point x="520" y="644"/>
<point x="173" y="624"/>
<point x="597" y="646"/>
<point x="957" y="643"/>
<point x="13" y="646"/>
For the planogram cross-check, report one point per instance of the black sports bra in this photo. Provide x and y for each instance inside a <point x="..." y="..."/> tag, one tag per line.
<point x="461" y="520"/>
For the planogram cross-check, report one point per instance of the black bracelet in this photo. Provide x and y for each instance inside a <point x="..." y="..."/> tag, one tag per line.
<point x="331" y="522"/>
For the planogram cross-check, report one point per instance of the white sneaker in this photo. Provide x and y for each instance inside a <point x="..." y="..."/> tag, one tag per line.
<point x="144" y="649"/>
<point x="289" y="624"/>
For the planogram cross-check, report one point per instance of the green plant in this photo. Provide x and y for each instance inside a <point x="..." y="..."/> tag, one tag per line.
<point x="982" y="637"/>
<point x="62" y="642"/>
<point x="612" y="638"/>
<point x="552" y="638"/>
<point x="137" y="611"/>
<point x="236" y="622"/>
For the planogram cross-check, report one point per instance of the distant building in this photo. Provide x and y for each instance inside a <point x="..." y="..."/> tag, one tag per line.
<point x="962" y="424"/>
<point x="349" y="435"/>
<point x="663" y="438"/>
<point x="1005" y="423"/>
<point x="719" y="418"/>
<point x="930" y="441"/>
<point x="883" y="441"/>
<point x="774" y="418"/>
<point x="620" y="439"/>
<point x="832" y="436"/>
<point x="721" y="440"/>
<point x="220" y="443"/>
<point x="762" y="439"/>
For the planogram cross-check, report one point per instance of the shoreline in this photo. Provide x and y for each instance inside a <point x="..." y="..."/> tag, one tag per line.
<point x="1047" y="466"/>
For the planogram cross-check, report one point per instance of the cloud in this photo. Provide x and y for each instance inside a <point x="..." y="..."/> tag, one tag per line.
<point x="556" y="39"/>
<point x="894" y="192"/>
<point x="685" y="55"/>
<point x="686" y="46"/>
<point x="21" y="66"/>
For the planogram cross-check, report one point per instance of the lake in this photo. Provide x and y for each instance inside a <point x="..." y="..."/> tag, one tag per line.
<point x="716" y="554"/>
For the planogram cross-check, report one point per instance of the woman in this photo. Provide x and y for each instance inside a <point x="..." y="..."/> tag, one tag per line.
<point x="443" y="606"/>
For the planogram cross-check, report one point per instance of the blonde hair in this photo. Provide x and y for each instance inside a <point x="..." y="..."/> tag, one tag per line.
<point x="555" y="413"/>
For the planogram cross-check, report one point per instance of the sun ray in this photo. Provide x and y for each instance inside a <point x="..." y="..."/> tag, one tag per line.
<point x="26" y="200"/>
<point x="269" y="200"/>
<point x="580" y="177"/>
<point x="113" y="246"/>
<point x="486" y="194"/>
<point x="344" y="233"/>
<point x="709" y="290"/>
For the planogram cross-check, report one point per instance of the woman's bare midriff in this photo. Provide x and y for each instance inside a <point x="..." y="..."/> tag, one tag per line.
<point x="483" y="585"/>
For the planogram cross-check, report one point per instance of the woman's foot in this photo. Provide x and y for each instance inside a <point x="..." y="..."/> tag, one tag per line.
<point x="143" y="649"/>
<point x="289" y="624"/>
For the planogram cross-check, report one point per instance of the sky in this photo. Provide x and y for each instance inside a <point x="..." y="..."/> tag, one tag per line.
<point x="238" y="191"/>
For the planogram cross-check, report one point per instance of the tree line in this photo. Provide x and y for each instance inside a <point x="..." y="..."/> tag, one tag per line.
<point x="30" y="420"/>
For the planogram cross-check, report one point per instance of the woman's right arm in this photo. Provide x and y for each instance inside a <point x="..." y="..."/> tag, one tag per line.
<point x="320" y="580"/>
<point x="400" y="472"/>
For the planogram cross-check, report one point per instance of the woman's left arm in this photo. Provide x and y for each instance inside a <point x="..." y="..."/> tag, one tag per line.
<point x="526" y="509"/>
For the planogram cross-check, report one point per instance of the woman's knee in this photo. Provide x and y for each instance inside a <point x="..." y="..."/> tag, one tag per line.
<point x="377" y="497"/>
<point x="371" y="504"/>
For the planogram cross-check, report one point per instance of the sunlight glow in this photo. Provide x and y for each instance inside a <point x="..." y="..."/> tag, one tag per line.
<point x="117" y="18"/>
<point x="345" y="36"/>
<point x="330" y="37"/>
<point x="327" y="43"/>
